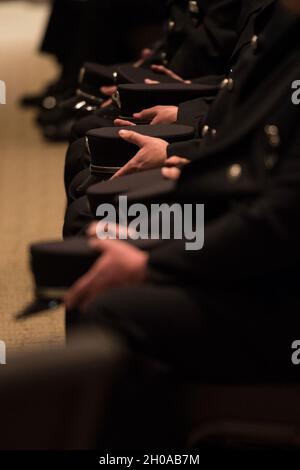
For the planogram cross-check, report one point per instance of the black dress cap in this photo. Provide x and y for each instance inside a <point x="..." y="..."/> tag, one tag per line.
<point x="109" y="151"/>
<point x="57" y="265"/>
<point x="145" y="187"/>
<point x="131" y="98"/>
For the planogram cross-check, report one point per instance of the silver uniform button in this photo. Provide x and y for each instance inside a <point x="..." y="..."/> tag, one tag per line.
<point x="272" y="133"/>
<point x="164" y="59"/>
<point x="49" y="102"/>
<point x="171" y="25"/>
<point x="193" y="7"/>
<point x="205" y="131"/>
<point x="234" y="171"/>
<point x="213" y="132"/>
<point x="254" y="42"/>
<point x="271" y="129"/>
<point x="227" y="83"/>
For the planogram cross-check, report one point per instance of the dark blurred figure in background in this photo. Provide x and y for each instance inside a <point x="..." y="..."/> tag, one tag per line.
<point x="95" y="31"/>
<point x="198" y="40"/>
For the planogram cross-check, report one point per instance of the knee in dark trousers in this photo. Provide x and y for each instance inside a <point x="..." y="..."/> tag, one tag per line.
<point x="77" y="219"/>
<point x="193" y="331"/>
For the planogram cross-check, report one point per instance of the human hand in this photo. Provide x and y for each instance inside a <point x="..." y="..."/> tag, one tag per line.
<point x="152" y="153"/>
<point x="119" y="264"/>
<point x="158" y="115"/>
<point x="165" y="71"/>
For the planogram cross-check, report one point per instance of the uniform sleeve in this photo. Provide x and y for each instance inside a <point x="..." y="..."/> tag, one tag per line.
<point x="189" y="149"/>
<point x="252" y="239"/>
<point x="193" y="113"/>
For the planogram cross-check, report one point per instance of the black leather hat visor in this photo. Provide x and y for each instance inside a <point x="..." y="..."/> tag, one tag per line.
<point x="56" y="265"/>
<point x="147" y="186"/>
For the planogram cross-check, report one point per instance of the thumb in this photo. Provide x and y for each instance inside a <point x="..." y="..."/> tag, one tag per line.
<point x="108" y="90"/>
<point x="125" y="170"/>
<point x="122" y="123"/>
<point x="134" y="138"/>
<point x="102" y="245"/>
<point x="176" y="161"/>
<point x="149" y="113"/>
<point x="158" y="68"/>
<point x="148" y="81"/>
<point x="171" y="173"/>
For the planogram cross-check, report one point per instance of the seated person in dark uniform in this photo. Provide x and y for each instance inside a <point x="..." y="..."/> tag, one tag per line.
<point x="212" y="313"/>
<point x="81" y="31"/>
<point x="154" y="152"/>
<point x="254" y="17"/>
<point x="201" y="38"/>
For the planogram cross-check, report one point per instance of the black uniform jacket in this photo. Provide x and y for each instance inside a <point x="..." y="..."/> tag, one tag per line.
<point x="212" y="39"/>
<point x="255" y="18"/>
<point x="248" y="177"/>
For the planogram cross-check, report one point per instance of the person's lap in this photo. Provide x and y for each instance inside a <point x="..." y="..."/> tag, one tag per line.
<point x="204" y="333"/>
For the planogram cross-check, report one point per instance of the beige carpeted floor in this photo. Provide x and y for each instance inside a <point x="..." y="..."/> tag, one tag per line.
<point x="31" y="171"/>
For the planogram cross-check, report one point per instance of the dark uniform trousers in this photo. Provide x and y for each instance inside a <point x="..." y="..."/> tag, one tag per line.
<point x="253" y="20"/>
<point x="208" y="124"/>
<point x="231" y="310"/>
<point x="95" y="31"/>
